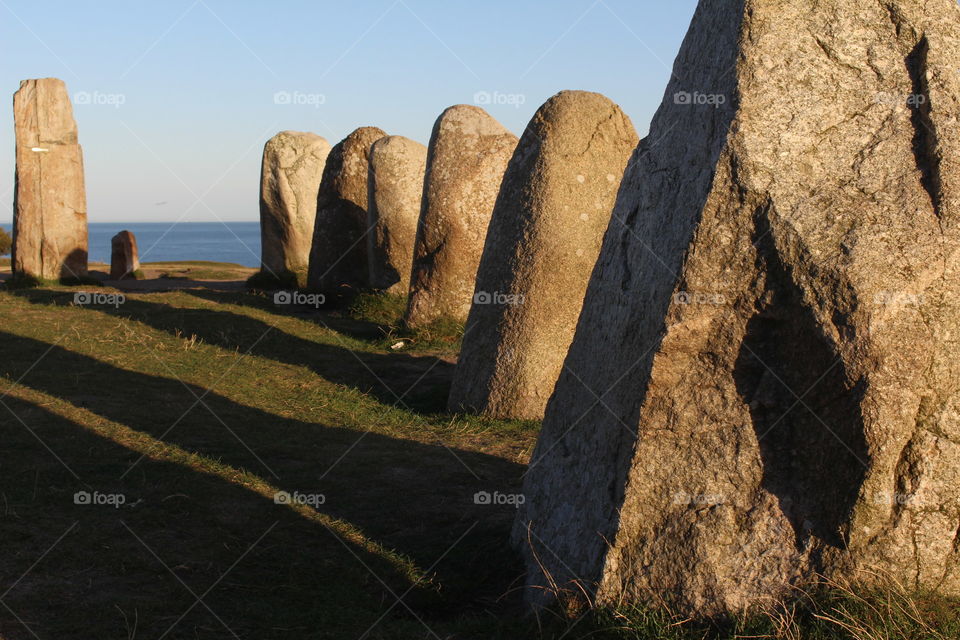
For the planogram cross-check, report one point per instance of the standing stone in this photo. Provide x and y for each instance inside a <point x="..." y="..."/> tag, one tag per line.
<point x="395" y="184"/>
<point x="764" y="384"/>
<point x="290" y="175"/>
<point x="50" y="202"/>
<point x="338" y="257"/>
<point x="544" y="237"/>
<point x="467" y="157"/>
<point x="124" y="258"/>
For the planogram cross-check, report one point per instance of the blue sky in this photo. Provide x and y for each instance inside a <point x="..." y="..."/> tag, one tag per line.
<point x="175" y="99"/>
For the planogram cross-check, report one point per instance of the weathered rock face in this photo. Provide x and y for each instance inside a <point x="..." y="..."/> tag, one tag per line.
<point x="466" y="160"/>
<point x="395" y="191"/>
<point x="765" y="381"/>
<point x="338" y="257"/>
<point x="50" y="202"/>
<point x="544" y="237"/>
<point x="290" y="175"/>
<point x="124" y="257"/>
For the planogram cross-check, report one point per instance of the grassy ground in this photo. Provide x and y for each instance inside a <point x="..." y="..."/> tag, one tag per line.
<point x="186" y="413"/>
<point x="196" y="270"/>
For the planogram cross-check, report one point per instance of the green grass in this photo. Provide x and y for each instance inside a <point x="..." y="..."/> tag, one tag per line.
<point x="385" y="312"/>
<point x="199" y="270"/>
<point x="287" y="404"/>
<point x="268" y="282"/>
<point x="199" y="406"/>
<point x="835" y="611"/>
<point x="199" y="274"/>
<point x="27" y="281"/>
<point x="197" y="263"/>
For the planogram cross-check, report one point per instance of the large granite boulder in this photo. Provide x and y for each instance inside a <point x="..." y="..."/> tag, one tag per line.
<point x="290" y="175"/>
<point x="124" y="257"/>
<point x="467" y="157"/>
<point x="764" y="385"/>
<point x="395" y="191"/>
<point x="338" y="256"/>
<point x="50" y="202"/>
<point x="543" y="240"/>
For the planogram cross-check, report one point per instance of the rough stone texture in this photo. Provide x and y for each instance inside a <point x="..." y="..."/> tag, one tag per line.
<point x="544" y="237"/>
<point x="338" y="257"/>
<point x="764" y="379"/>
<point x="124" y="257"/>
<point x="290" y="175"/>
<point x="395" y="191"/>
<point x="50" y="202"/>
<point x="466" y="160"/>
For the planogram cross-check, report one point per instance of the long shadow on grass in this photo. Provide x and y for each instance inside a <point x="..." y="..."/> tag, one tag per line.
<point x="412" y="497"/>
<point x="333" y="316"/>
<point x="93" y="578"/>
<point x="421" y="383"/>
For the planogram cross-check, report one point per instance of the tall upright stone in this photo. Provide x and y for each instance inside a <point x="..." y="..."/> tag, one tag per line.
<point x="544" y="237"/>
<point x="338" y="256"/>
<point x="50" y="202"/>
<point x="124" y="256"/>
<point x="764" y="384"/>
<point x="290" y="174"/>
<point x="395" y="185"/>
<point x="466" y="160"/>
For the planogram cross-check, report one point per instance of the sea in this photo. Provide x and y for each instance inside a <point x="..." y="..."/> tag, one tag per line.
<point x="237" y="242"/>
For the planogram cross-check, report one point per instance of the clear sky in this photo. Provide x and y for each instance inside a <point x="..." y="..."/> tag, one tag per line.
<point x="175" y="98"/>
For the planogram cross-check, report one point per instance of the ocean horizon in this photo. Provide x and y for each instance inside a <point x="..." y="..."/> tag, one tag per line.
<point x="237" y="242"/>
